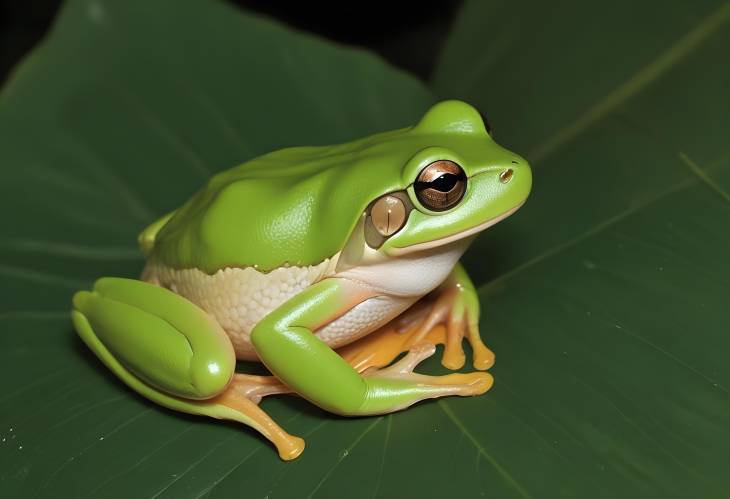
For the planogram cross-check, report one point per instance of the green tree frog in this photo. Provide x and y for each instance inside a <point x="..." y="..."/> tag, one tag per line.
<point x="300" y="252"/>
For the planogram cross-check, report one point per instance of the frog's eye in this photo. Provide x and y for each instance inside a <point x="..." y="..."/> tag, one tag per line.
<point x="440" y="185"/>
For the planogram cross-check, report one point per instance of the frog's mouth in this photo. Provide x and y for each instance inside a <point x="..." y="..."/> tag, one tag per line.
<point x="397" y="251"/>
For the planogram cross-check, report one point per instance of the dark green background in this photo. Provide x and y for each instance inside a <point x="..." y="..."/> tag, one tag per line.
<point x="605" y="297"/>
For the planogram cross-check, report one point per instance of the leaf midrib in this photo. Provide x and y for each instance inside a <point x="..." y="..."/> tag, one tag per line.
<point x="656" y="68"/>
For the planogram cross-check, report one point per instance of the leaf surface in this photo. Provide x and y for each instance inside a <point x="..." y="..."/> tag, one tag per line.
<point x="604" y="297"/>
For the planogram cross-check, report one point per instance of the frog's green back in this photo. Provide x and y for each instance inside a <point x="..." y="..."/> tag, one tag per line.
<point x="297" y="206"/>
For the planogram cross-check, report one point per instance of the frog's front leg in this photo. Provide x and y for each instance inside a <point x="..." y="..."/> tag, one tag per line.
<point x="286" y="343"/>
<point x="171" y="352"/>
<point x="456" y="305"/>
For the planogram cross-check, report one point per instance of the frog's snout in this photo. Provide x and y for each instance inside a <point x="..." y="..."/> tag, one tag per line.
<point x="515" y="175"/>
<point x="509" y="171"/>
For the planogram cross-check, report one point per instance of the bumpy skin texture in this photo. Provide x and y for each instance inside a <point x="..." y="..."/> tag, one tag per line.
<point x="238" y="298"/>
<point x="272" y="260"/>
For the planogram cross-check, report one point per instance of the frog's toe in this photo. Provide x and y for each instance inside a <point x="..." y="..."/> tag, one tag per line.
<point x="461" y="384"/>
<point x="455" y="311"/>
<point x="239" y="407"/>
<point x="255" y="387"/>
<point x="483" y="357"/>
<point x="408" y="363"/>
<point x="454" y="357"/>
<point x="381" y="347"/>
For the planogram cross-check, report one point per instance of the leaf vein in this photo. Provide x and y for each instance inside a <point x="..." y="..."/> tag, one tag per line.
<point x="382" y="456"/>
<point x="636" y="83"/>
<point x="140" y="461"/>
<point x="673" y="357"/>
<point x="164" y="131"/>
<point x="703" y="176"/>
<point x="92" y="445"/>
<point x="75" y="250"/>
<point x="192" y="466"/>
<point x="495" y="464"/>
<point x="205" y="492"/>
<point x="557" y="249"/>
<point x="41" y="277"/>
<point x="343" y="456"/>
<point x="87" y="409"/>
<point x="634" y="424"/>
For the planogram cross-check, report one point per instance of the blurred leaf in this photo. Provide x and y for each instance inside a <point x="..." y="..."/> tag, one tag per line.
<point x="607" y="293"/>
<point x="604" y="298"/>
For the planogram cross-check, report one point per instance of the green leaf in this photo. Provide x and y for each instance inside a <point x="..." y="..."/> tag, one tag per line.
<point x="121" y="113"/>
<point x="604" y="297"/>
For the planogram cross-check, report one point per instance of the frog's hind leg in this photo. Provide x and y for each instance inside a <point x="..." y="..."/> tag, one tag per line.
<point x="473" y="383"/>
<point x="171" y="352"/>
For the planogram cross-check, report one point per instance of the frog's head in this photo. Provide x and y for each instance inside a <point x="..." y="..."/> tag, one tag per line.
<point x="459" y="182"/>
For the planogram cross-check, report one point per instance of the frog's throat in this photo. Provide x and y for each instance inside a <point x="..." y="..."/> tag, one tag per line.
<point x="396" y="251"/>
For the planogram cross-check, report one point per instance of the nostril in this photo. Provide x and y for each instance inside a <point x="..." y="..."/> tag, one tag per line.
<point x="506" y="175"/>
<point x="514" y="162"/>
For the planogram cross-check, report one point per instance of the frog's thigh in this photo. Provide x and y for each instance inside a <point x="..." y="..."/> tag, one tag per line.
<point x="170" y="351"/>
<point x="161" y="337"/>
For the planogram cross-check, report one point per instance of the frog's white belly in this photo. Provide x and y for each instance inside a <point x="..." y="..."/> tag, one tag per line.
<point x="240" y="297"/>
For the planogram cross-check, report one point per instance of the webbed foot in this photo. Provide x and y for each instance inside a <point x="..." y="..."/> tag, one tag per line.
<point x="454" y="305"/>
<point x="453" y="308"/>
<point x="462" y="384"/>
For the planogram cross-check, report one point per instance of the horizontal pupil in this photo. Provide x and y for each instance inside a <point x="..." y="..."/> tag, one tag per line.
<point x="444" y="183"/>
